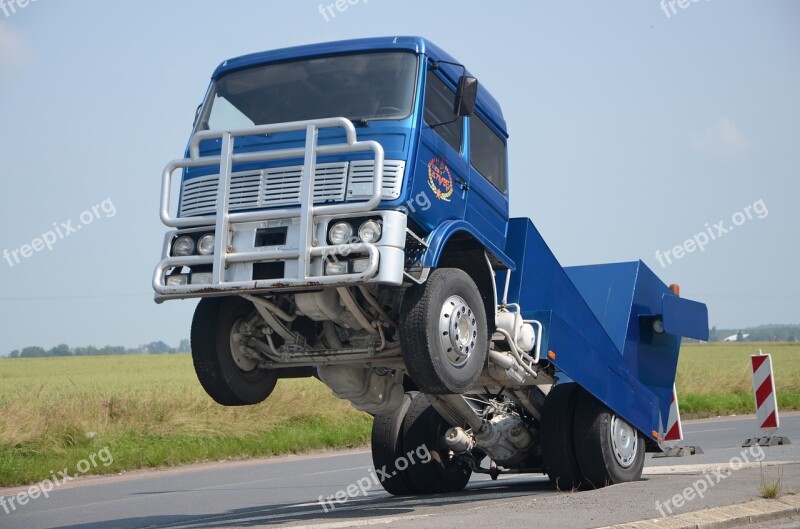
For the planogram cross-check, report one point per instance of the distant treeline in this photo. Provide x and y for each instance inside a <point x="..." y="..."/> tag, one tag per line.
<point x="65" y="350"/>
<point x="762" y="333"/>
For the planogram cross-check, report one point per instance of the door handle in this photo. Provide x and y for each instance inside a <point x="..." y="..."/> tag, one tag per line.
<point x="462" y="183"/>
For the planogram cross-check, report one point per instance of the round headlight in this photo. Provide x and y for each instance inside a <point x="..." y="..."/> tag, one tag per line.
<point x="370" y="231"/>
<point x="183" y="246"/>
<point x="205" y="246"/>
<point x="340" y="233"/>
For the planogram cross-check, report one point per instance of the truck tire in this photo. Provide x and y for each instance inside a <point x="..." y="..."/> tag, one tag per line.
<point x="558" y="452"/>
<point x="609" y="450"/>
<point x="387" y="447"/>
<point x="443" y="332"/>
<point x="423" y="430"/>
<point x="215" y="361"/>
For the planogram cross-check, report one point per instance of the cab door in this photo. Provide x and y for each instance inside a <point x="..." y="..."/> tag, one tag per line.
<point x="442" y="171"/>
<point x="487" y="202"/>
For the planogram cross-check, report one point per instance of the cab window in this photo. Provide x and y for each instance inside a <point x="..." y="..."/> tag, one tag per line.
<point x="439" y="111"/>
<point x="487" y="152"/>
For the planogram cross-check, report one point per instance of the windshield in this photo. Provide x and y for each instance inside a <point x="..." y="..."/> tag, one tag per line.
<point x="358" y="87"/>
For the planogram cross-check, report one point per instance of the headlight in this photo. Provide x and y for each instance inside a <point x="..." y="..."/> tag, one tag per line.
<point x="176" y="280"/>
<point x="183" y="246"/>
<point x="335" y="268"/>
<point x="201" y="278"/>
<point x="205" y="246"/>
<point x="360" y="265"/>
<point x="340" y="233"/>
<point x="370" y="231"/>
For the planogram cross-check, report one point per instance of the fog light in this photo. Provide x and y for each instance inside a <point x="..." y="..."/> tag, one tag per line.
<point x="202" y="278"/>
<point x="370" y="231"/>
<point x="340" y="233"/>
<point x="205" y="246"/>
<point x="360" y="265"/>
<point x="183" y="246"/>
<point x="335" y="268"/>
<point x="177" y="280"/>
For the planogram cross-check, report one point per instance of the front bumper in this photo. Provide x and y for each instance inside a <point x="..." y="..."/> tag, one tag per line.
<point x="385" y="259"/>
<point x="302" y="256"/>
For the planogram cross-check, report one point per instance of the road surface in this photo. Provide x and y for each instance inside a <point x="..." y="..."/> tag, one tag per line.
<point x="286" y="491"/>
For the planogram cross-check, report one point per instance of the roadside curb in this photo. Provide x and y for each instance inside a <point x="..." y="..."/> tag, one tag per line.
<point x="755" y="511"/>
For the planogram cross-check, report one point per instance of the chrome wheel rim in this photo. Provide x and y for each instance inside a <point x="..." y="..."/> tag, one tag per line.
<point x="458" y="330"/>
<point x="624" y="441"/>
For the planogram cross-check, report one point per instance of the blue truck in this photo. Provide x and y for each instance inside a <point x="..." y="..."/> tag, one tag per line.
<point x="342" y="212"/>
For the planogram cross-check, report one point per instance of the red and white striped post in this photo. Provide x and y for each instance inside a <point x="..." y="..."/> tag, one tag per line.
<point x="764" y="391"/>
<point x="674" y="428"/>
<point x="674" y="433"/>
<point x="766" y="402"/>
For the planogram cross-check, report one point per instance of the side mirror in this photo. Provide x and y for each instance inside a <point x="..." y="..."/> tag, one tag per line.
<point x="466" y="96"/>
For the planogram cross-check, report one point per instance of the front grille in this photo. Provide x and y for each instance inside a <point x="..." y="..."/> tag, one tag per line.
<point x="334" y="182"/>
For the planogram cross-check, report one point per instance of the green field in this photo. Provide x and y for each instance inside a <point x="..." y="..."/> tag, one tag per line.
<point x="714" y="379"/>
<point x="150" y="411"/>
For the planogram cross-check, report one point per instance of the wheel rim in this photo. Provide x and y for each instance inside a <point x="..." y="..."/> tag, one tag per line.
<point x="458" y="330"/>
<point x="241" y="357"/>
<point x="624" y="441"/>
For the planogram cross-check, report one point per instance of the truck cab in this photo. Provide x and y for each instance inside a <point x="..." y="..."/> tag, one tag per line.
<point x="442" y="173"/>
<point x="343" y="212"/>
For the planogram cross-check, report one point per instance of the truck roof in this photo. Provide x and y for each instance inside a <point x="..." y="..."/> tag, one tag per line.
<point x="486" y="103"/>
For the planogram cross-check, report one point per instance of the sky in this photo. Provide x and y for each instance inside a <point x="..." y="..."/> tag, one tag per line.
<point x="635" y="127"/>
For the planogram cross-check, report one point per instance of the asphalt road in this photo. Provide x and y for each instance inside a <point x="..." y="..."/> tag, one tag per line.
<point x="285" y="491"/>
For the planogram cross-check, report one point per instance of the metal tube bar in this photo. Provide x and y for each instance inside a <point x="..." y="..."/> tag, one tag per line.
<point x="221" y="230"/>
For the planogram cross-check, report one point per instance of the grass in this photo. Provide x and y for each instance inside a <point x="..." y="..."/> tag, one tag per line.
<point x="715" y="379"/>
<point x="150" y="411"/>
<point x="770" y="488"/>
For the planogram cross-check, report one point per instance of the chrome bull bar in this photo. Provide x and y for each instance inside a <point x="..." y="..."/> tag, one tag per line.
<point x="307" y="212"/>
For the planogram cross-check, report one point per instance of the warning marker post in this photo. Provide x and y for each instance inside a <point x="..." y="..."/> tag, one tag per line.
<point x="675" y="433"/>
<point x="766" y="402"/>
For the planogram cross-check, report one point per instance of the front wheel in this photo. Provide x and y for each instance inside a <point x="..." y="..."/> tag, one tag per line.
<point x="228" y="373"/>
<point x="443" y="332"/>
<point x="609" y="450"/>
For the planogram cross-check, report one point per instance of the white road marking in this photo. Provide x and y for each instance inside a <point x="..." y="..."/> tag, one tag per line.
<point x="338" y="470"/>
<point x="705" y="431"/>
<point x="707" y="467"/>
<point x="354" y="523"/>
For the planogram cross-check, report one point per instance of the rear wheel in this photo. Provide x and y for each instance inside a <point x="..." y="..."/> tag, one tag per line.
<point x="387" y="448"/>
<point x="434" y="468"/>
<point x="443" y="330"/>
<point x="229" y="373"/>
<point x="558" y="452"/>
<point x="609" y="450"/>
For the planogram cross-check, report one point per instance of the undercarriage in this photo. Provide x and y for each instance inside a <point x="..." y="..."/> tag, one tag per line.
<point x="425" y="361"/>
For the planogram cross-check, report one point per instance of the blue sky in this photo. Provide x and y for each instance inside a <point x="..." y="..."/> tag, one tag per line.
<point x="630" y="131"/>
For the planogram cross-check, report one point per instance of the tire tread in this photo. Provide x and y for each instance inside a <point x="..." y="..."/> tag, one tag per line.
<point x="424" y="367"/>
<point x="558" y="452"/>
